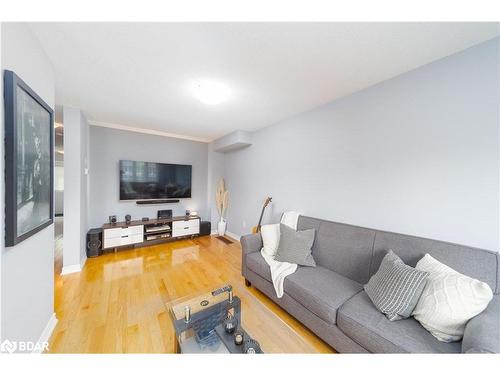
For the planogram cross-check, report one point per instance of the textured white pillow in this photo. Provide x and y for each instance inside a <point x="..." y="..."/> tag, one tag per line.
<point x="270" y="238"/>
<point x="449" y="300"/>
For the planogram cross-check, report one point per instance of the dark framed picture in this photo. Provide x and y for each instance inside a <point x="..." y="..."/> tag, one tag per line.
<point x="29" y="161"/>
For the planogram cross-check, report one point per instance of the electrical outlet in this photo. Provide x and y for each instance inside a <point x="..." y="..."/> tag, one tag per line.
<point x="244" y="224"/>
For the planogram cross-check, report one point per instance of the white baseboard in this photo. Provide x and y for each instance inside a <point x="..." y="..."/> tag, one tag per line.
<point x="74" y="267"/>
<point x="233" y="236"/>
<point x="66" y="270"/>
<point x="47" y="332"/>
<point x="229" y="234"/>
<point x="82" y="261"/>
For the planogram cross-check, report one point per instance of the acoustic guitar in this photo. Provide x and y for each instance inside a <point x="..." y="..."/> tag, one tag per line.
<point x="256" y="229"/>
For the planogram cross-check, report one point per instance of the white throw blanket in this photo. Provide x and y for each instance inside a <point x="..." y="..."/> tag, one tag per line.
<point x="290" y="218"/>
<point x="280" y="270"/>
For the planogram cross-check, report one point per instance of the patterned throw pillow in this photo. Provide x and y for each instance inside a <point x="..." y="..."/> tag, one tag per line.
<point x="449" y="300"/>
<point x="396" y="287"/>
<point x="295" y="246"/>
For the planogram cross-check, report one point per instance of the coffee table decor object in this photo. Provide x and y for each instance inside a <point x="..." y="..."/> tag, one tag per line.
<point x="238" y="337"/>
<point x="206" y="323"/>
<point x="251" y="346"/>
<point x="230" y="324"/>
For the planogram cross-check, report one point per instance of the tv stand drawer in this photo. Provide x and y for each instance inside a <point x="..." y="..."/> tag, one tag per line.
<point x="185" y="227"/>
<point x="186" y="224"/>
<point x="115" y="237"/>
<point x="112" y="233"/>
<point x="112" y="242"/>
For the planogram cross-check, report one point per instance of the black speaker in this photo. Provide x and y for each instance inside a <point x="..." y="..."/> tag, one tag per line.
<point x="205" y="228"/>
<point x="94" y="242"/>
<point x="158" y="201"/>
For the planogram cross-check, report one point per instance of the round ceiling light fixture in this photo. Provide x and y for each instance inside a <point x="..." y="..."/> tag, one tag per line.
<point x="210" y="92"/>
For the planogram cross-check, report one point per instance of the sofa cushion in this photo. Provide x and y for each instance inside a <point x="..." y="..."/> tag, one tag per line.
<point x="359" y="319"/>
<point x="345" y="249"/>
<point x="320" y="290"/>
<point x="257" y="263"/>
<point x="479" y="264"/>
<point x="482" y="333"/>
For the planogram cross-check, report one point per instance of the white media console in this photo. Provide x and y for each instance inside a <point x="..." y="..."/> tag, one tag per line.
<point x="149" y="232"/>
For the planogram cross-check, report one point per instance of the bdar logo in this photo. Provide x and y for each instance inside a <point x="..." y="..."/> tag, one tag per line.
<point x="8" y="346"/>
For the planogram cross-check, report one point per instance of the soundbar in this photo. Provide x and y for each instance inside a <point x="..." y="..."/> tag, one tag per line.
<point x="158" y="201"/>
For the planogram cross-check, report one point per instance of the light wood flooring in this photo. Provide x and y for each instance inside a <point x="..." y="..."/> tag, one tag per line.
<point x="117" y="304"/>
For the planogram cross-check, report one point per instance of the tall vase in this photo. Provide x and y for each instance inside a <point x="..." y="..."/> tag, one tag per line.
<point x="221" y="227"/>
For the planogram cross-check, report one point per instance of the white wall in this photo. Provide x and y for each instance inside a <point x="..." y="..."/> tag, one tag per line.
<point x="215" y="172"/>
<point x="418" y="154"/>
<point x="27" y="270"/>
<point x="109" y="146"/>
<point x="76" y="131"/>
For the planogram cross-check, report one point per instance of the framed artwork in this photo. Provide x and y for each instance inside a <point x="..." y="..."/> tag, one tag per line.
<point x="29" y="161"/>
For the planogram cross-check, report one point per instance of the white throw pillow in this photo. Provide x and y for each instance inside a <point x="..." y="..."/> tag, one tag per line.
<point x="449" y="300"/>
<point x="270" y="238"/>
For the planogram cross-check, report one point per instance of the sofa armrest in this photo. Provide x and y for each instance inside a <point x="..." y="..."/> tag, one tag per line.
<point x="250" y="243"/>
<point x="482" y="333"/>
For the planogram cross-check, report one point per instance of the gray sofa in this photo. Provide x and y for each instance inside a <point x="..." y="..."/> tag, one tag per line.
<point x="329" y="299"/>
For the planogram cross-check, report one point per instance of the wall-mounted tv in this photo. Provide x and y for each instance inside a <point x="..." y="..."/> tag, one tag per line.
<point x="146" y="180"/>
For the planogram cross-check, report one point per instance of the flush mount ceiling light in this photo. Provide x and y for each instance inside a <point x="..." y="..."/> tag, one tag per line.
<point x="210" y="92"/>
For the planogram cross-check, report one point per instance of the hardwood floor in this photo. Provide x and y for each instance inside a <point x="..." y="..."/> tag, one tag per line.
<point x="117" y="304"/>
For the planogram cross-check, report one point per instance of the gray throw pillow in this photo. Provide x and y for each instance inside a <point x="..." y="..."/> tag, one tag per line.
<point x="396" y="287"/>
<point x="295" y="246"/>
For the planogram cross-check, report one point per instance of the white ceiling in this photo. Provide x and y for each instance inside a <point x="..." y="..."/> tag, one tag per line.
<point x="139" y="74"/>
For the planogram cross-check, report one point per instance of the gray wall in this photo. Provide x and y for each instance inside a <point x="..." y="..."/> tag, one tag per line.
<point x="108" y="146"/>
<point x="76" y="146"/>
<point x="215" y="172"/>
<point x="418" y="154"/>
<point x="27" y="270"/>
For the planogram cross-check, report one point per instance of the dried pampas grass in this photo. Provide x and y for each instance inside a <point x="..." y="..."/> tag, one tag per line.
<point x="222" y="198"/>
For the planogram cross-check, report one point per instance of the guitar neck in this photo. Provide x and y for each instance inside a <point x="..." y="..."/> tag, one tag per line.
<point x="257" y="228"/>
<point x="261" y="216"/>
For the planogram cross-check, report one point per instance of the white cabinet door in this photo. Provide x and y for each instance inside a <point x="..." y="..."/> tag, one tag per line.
<point x="185" y="227"/>
<point x="112" y="242"/>
<point x="135" y="230"/>
<point x="125" y="240"/>
<point x="115" y="237"/>
<point x="112" y="233"/>
<point x="112" y="237"/>
<point x="136" y="238"/>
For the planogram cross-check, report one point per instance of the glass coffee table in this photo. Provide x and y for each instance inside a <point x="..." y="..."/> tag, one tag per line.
<point x="210" y="322"/>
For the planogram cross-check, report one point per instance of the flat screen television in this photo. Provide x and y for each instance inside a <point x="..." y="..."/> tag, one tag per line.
<point x="146" y="180"/>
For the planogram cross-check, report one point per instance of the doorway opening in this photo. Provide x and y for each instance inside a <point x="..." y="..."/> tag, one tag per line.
<point x="59" y="198"/>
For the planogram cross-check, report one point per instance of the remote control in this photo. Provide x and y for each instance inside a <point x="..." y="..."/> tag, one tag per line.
<point x="226" y="288"/>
